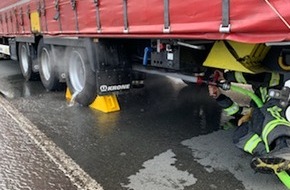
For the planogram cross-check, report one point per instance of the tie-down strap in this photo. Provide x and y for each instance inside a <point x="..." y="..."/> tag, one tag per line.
<point x="225" y="26"/>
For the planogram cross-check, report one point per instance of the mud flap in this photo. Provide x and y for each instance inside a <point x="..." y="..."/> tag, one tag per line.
<point x="113" y="71"/>
<point x="110" y="81"/>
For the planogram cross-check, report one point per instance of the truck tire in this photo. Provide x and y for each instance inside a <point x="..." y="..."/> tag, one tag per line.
<point x="25" y="62"/>
<point x="47" y="67"/>
<point x="81" y="79"/>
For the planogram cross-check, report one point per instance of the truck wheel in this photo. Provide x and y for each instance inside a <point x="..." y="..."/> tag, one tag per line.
<point x="47" y="67"/>
<point x="81" y="79"/>
<point x="25" y="62"/>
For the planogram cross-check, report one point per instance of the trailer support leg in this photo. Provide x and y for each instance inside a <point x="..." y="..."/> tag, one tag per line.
<point x="106" y="104"/>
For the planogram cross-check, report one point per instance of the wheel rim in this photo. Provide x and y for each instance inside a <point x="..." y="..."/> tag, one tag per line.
<point x="24" y="59"/>
<point x="45" y="64"/>
<point x="77" y="73"/>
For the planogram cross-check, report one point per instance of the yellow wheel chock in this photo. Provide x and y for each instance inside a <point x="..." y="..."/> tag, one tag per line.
<point x="106" y="104"/>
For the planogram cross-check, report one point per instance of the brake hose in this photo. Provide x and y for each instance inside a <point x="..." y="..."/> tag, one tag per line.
<point x="249" y="93"/>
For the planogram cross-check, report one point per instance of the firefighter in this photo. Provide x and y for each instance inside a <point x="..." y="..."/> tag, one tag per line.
<point x="265" y="132"/>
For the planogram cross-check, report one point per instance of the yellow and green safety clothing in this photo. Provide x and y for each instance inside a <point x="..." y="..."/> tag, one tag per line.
<point x="260" y="84"/>
<point x="268" y="123"/>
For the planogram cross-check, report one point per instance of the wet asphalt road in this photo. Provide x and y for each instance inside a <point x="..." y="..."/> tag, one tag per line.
<point x="166" y="137"/>
<point x="23" y="164"/>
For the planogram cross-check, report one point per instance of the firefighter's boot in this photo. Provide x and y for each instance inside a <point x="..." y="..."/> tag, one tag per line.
<point x="276" y="160"/>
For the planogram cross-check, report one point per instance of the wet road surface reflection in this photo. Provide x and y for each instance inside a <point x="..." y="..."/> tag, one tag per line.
<point x="111" y="147"/>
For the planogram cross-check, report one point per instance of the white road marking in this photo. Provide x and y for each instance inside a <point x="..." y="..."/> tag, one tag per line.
<point x="160" y="173"/>
<point x="72" y="170"/>
<point x="216" y="151"/>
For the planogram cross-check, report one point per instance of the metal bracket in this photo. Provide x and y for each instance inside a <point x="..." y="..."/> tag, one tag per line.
<point x="225" y="26"/>
<point x="40" y="13"/>
<point x="225" y="29"/>
<point x="125" y="12"/>
<point x="126" y="30"/>
<point x="39" y="8"/>
<point x="166" y="28"/>
<point x="56" y="6"/>
<point x="42" y="9"/>
<point x="98" y="20"/>
<point x="43" y="13"/>
<point x="96" y="2"/>
<point x="73" y="4"/>
<point x="57" y="14"/>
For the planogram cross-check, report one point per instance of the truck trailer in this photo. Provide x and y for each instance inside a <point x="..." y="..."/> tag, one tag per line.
<point x="103" y="47"/>
<point x="98" y="47"/>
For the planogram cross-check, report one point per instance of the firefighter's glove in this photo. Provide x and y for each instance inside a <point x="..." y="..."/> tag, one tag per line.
<point x="245" y="118"/>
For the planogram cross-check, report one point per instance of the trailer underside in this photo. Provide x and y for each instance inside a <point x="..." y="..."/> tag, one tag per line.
<point x="93" y="46"/>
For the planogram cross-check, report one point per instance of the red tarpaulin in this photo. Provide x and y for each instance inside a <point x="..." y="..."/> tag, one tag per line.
<point x="251" y="21"/>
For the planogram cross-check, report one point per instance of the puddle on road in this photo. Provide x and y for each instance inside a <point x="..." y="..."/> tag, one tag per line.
<point x="155" y="119"/>
<point x="15" y="86"/>
<point x="160" y="173"/>
<point x="220" y="154"/>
